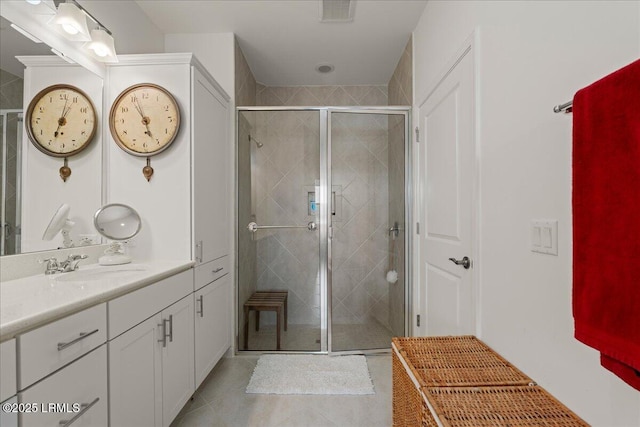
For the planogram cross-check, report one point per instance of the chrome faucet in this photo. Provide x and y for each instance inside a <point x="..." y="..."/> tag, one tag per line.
<point x="52" y="265"/>
<point x="71" y="263"/>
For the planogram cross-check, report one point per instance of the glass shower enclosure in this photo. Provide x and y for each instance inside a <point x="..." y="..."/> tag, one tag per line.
<point x="10" y="166"/>
<point x="322" y="207"/>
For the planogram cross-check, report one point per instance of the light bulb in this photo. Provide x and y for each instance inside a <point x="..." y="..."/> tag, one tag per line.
<point x="70" y="29"/>
<point x="71" y="22"/>
<point x="34" y="1"/>
<point x="102" y="46"/>
<point x="101" y="51"/>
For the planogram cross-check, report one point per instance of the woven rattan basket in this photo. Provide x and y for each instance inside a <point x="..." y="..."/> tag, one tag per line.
<point x="460" y="382"/>
<point x="512" y="406"/>
<point x="457" y="362"/>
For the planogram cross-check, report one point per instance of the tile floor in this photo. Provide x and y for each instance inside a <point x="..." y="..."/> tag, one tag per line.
<point x="221" y="401"/>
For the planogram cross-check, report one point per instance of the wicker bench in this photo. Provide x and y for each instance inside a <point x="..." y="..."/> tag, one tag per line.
<point x="266" y="301"/>
<point x="461" y="382"/>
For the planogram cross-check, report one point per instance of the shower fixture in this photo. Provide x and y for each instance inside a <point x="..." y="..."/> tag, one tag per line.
<point x="258" y="143"/>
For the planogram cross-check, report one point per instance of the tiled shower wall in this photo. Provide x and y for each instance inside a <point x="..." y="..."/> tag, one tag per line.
<point x="309" y="96"/>
<point x="245" y="83"/>
<point x="400" y="93"/>
<point x="287" y="167"/>
<point x="359" y="156"/>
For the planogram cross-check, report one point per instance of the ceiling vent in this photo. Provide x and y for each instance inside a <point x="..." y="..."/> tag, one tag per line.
<point x="337" y="10"/>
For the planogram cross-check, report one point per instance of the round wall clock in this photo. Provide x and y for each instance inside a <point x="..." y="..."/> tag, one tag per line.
<point x="61" y="121"/>
<point x="144" y="121"/>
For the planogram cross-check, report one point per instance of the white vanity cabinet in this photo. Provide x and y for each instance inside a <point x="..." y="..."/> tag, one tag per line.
<point x="151" y="364"/>
<point x="212" y="325"/>
<point x="135" y="376"/>
<point x="50" y="347"/>
<point x="74" y="395"/>
<point x="186" y="206"/>
<point x="210" y="169"/>
<point x="62" y="377"/>
<point x="8" y="385"/>
<point x="8" y="378"/>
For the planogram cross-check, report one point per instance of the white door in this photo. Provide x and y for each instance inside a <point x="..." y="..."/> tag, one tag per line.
<point x="212" y="325"/>
<point x="178" y="381"/>
<point x="135" y="376"/>
<point x="210" y="172"/>
<point x="447" y="172"/>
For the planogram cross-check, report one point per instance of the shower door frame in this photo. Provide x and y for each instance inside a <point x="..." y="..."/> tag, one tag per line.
<point x="3" y="183"/>
<point x="325" y="232"/>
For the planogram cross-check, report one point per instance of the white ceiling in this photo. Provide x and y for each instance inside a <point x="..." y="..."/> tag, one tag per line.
<point x="284" y="41"/>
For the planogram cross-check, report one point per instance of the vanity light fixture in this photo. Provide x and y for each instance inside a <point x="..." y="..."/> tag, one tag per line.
<point x="34" y="1"/>
<point x="71" y="21"/>
<point x="26" y="33"/>
<point x="102" y="46"/>
<point x="63" y="56"/>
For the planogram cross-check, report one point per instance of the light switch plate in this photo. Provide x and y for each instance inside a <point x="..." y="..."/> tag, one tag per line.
<point x="544" y="236"/>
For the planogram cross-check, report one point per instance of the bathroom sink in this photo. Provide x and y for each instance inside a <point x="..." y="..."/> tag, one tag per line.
<point x="106" y="273"/>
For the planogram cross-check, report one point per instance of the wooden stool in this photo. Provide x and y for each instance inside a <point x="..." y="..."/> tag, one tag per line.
<point x="266" y="301"/>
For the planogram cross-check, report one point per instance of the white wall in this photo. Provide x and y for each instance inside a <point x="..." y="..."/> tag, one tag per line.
<point x="214" y="51"/>
<point x="43" y="191"/>
<point x="164" y="203"/>
<point x="532" y="56"/>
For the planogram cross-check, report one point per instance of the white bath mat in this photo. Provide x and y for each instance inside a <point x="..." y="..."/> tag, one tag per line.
<point x="310" y="374"/>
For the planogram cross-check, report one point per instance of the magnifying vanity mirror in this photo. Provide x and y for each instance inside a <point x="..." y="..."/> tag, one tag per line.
<point x="60" y="222"/>
<point x="120" y="223"/>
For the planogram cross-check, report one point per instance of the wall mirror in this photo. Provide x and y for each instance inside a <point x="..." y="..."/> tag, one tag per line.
<point x="26" y="202"/>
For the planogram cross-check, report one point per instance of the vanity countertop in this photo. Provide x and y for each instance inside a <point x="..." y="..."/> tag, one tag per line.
<point x="33" y="301"/>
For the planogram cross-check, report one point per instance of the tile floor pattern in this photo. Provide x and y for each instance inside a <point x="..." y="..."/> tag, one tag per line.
<point x="221" y="401"/>
<point x="369" y="336"/>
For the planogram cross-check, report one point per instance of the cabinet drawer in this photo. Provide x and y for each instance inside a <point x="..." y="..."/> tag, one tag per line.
<point x="8" y="386"/>
<point x="207" y="273"/>
<point x="129" y="310"/>
<point x="83" y="383"/>
<point x="50" y="347"/>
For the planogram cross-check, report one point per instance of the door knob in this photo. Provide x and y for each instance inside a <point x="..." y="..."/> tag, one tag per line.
<point x="465" y="262"/>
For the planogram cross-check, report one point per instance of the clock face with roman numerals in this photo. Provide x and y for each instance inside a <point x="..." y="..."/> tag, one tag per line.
<point x="144" y="119"/>
<point x="61" y="120"/>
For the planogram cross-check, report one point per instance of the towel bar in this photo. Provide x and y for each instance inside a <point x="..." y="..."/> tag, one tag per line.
<point x="566" y="108"/>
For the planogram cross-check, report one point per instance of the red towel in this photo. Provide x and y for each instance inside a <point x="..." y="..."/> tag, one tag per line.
<point x="606" y="220"/>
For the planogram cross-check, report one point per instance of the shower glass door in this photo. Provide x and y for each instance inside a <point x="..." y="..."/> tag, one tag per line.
<point x="321" y="216"/>
<point x="367" y="179"/>
<point x="278" y="190"/>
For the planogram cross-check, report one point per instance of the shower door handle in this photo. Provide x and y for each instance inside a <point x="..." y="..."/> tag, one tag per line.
<point x="253" y="227"/>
